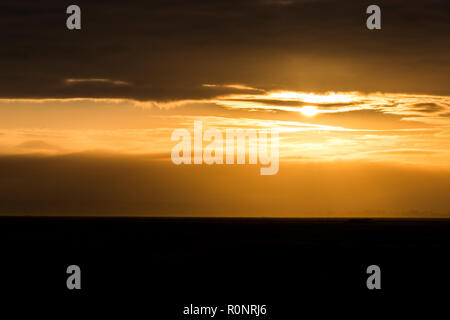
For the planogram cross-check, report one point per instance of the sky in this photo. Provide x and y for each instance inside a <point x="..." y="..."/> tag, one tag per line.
<point x="86" y="116"/>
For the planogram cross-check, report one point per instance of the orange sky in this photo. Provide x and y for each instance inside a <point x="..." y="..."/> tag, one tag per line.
<point x="348" y="155"/>
<point x="86" y="116"/>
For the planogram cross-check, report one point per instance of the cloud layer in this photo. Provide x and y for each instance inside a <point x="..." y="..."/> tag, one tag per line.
<point x="167" y="49"/>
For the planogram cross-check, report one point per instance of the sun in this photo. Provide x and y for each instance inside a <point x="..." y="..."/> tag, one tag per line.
<point x="309" y="111"/>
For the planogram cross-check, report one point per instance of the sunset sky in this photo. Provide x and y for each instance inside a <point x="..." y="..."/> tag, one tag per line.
<point x="364" y="115"/>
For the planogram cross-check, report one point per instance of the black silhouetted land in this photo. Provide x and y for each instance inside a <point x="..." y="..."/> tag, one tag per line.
<point x="287" y="264"/>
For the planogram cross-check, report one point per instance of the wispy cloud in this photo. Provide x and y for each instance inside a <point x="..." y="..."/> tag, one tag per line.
<point x="72" y="81"/>
<point x="231" y="86"/>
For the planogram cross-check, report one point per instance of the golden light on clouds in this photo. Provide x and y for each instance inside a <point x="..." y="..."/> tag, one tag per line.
<point x="330" y="97"/>
<point x="314" y="127"/>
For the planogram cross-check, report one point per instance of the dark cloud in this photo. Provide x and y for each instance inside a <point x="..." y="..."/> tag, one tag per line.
<point x="290" y="103"/>
<point x="168" y="48"/>
<point x="427" y="107"/>
<point x="271" y="102"/>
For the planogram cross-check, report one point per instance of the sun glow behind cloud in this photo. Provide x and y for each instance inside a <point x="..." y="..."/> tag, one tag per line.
<point x="309" y="111"/>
